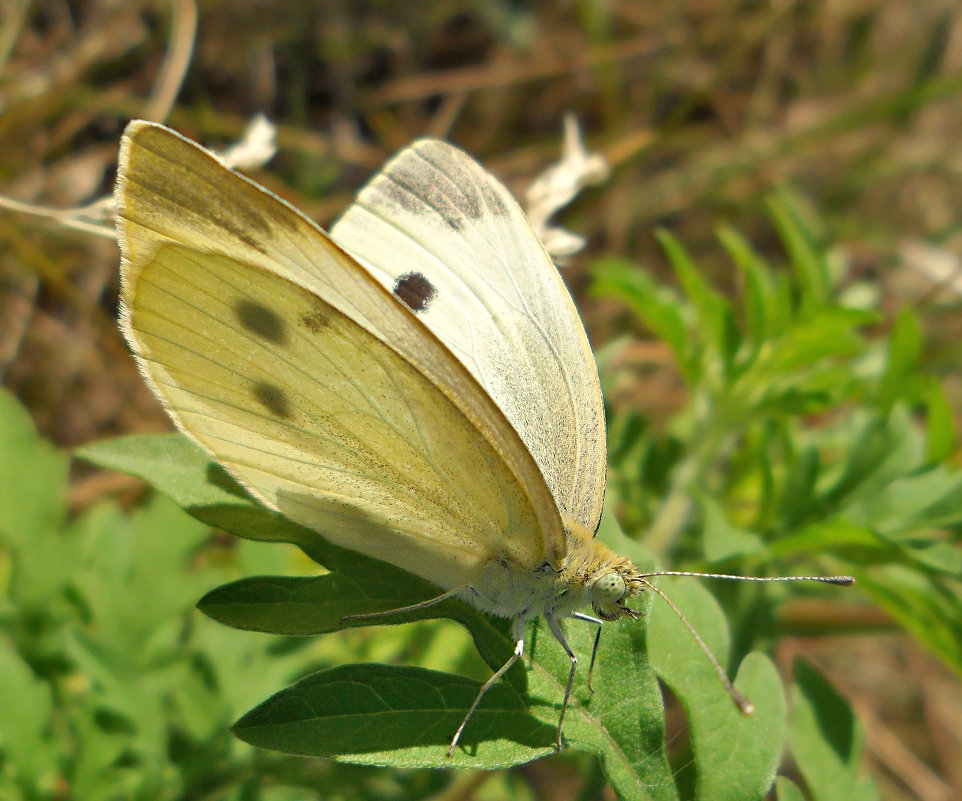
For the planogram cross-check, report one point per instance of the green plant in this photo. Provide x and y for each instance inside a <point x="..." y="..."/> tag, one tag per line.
<point x="805" y="444"/>
<point x="112" y="686"/>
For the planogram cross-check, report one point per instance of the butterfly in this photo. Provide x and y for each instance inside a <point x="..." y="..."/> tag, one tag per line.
<point x="416" y="386"/>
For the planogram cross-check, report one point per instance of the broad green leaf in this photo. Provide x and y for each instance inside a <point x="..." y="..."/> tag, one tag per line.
<point x="826" y="740"/>
<point x="736" y="756"/>
<point x="405" y="717"/>
<point x="174" y="465"/>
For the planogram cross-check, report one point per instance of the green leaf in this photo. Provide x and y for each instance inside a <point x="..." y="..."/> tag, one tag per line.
<point x="807" y="259"/>
<point x="929" y="607"/>
<point x="736" y="756"/>
<point x="174" y="465"/>
<point x="299" y="606"/>
<point x="826" y="740"/>
<point x="926" y="499"/>
<point x="829" y="332"/>
<point x="831" y="535"/>
<point x="759" y="289"/>
<point x="721" y="539"/>
<point x="405" y="717"/>
<point x="798" y="500"/>
<point x="714" y="320"/>
<point x="32" y="494"/>
<point x="787" y="790"/>
<point x="655" y="306"/>
<point x="879" y="450"/>
<point x="904" y="349"/>
<point x="27" y="707"/>
<point x="624" y="729"/>
<point x="939" y="420"/>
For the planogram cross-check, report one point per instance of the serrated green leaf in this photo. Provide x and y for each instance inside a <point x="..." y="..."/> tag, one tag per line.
<point x="880" y="450"/>
<point x="927" y="499"/>
<point x="826" y="536"/>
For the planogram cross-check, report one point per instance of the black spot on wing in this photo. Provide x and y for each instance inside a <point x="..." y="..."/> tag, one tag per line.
<point x="273" y="398"/>
<point x="415" y="291"/>
<point x="261" y="321"/>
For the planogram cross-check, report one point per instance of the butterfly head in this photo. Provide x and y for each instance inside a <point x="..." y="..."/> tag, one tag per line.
<point x="618" y="582"/>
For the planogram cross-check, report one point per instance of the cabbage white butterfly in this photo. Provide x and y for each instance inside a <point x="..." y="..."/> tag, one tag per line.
<point x="416" y="386"/>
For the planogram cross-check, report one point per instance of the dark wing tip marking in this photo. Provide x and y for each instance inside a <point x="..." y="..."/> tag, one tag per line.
<point x="273" y="398"/>
<point x="415" y="291"/>
<point x="261" y="321"/>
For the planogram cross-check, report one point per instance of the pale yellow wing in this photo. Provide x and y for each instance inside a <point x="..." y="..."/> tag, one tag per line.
<point x="443" y="233"/>
<point x="308" y="381"/>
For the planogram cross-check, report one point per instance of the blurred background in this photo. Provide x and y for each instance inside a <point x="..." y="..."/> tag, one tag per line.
<point x="703" y="110"/>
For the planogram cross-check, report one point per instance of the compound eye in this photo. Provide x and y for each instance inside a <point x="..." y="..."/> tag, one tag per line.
<point x="609" y="588"/>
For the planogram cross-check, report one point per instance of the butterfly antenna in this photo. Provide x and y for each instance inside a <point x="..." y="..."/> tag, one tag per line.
<point x="843" y="581"/>
<point x="745" y="706"/>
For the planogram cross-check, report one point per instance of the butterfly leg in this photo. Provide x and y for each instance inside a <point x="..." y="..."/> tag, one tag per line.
<point x="410" y="608"/>
<point x="594" y="648"/>
<point x="560" y="637"/>
<point x="518" y="651"/>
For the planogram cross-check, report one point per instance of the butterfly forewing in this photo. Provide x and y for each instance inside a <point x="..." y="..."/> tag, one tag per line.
<point x="447" y="238"/>
<point x="308" y="381"/>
